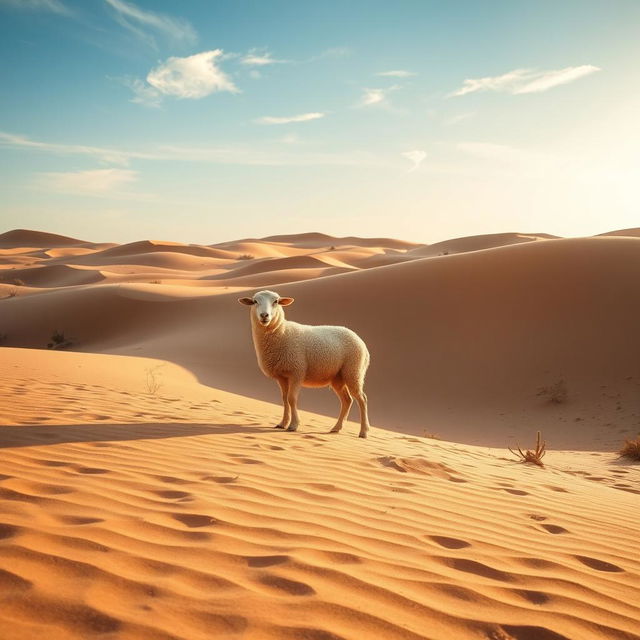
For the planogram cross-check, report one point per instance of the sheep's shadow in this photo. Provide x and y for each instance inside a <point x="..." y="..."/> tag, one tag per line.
<point x="42" y="435"/>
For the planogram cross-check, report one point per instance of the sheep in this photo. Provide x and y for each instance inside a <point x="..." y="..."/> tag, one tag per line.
<point x="298" y="355"/>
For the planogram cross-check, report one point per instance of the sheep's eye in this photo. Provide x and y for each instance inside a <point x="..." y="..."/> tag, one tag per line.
<point x="275" y="302"/>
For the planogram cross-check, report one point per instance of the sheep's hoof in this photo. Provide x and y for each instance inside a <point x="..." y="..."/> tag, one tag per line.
<point x="292" y="429"/>
<point x="334" y="430"/>
<point x="363" y="434"/>
<point x="279" y="426"/>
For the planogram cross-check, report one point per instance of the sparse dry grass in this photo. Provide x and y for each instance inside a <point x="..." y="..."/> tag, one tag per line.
<point x="556" y="392"/>
<point x="535" y="456"/>
<point x="12" y="293"/>
<point x="631" y="449"/>
<point x="59" y="340"/>
<point x="152" y="380"/>
<point x="246" y="256"/>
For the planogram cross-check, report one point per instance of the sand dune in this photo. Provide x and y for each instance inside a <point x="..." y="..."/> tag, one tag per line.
<point x="469" y="340"/>
<point x="179" y="514"/>
<point x="144" y="495"/>
<point x="477" y="243"/>
<point x="28" y="238"/>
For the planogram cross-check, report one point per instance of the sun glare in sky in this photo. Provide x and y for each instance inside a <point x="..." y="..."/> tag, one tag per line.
<point x="204" y="122"/>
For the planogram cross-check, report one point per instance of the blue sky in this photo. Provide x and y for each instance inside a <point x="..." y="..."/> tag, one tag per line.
<point x="206" y="121"/>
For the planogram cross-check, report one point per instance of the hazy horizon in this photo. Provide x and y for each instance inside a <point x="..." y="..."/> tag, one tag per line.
<point x="418" y="120"/>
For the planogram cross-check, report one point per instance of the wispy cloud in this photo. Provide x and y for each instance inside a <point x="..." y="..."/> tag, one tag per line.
<point x="54" y="6"/>
<point x="417" y="157"/>
<point x="143" y="93"/>
<point x="303" y="117"/>
<point x="193" y="77"/>
<point x="520" y="81"/>
<point x="94" y="182"/>
<point x="256" y="59"/>
<point x="397" y="73"/>
<point x="379" y="97"/>
<point x="138" y="21"/>
<point x="238" y="154"/>
<point x="110" y="156"/>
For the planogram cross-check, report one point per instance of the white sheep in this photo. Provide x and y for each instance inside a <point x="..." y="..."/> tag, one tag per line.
<point x="299" y="355"/>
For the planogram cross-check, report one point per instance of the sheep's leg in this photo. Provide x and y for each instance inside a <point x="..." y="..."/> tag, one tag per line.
<point x="286" y="417"/>
<point x="361" y="399"/>
<point x="292" y="397"/>
<point x="345" y="404"/>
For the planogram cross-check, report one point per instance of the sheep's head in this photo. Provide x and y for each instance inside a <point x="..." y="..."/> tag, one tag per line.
<point x="266" y="306"/>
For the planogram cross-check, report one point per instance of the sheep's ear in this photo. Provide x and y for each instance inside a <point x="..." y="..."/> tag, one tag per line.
<point x="247" y="301"/>
<point x="285" y="302"/>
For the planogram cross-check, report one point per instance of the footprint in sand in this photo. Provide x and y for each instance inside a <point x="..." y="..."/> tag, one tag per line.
<point x="174" y="495"/>
<point x="266" y="561"/>
<point x="534" y="597"/>
<point x="242" y="460"/>
<point x="449" y="543"/>
<point x="194" y="520"/>
<point x="599" y="565"/>
<point x="554" y="528"/>
<point x="290" y="587"/>
<point x="558" y="489"/>
<point x="516" y="492"/>
<point x="477" y="568"/>
<point x="219" y="479"/>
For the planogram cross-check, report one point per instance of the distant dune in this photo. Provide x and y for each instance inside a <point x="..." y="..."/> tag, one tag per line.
<point x="145" y="496"/>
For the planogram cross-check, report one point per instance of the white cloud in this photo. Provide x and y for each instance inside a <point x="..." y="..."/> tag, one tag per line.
<point x="303" y="117"/>
<point x="195" y="76"/>
<point x="255" y="59"/>
<point x="135" y="19"/>
<point x="549" y="79"/>
<point x="372" y="97"/>
<point x="417" y="157"/>
<point x="95" y="182"/>
<point x="521" y="81"/>
<point x="55" y="6"/>
<point x="397" y="73"/>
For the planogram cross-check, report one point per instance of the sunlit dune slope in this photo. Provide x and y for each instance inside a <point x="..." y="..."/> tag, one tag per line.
<point x="138" y="504"/>
<point x="462" y="345"/>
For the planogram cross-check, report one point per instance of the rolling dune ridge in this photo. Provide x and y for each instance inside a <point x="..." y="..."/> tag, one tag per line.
<point x="144" y="494"/>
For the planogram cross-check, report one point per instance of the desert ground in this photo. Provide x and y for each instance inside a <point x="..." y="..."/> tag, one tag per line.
<point x="145" y="495"/>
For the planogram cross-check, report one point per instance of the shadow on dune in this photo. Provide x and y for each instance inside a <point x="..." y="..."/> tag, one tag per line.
<point x="40" y="435"/>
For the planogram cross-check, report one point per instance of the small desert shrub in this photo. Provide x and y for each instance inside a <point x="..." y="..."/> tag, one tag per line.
<point x="246" y="256"/>
<point x="59" y="340"/>
<point x="631" y="449"/>
<point x="12" y="293"/>
<point x="432" y="436"/>
<point x="152" y="380"/>
<point x="156" y="282"/>
<point x="535" y="456"/>
<point x="556" y="392"/>
<point x="18" y="282"/>
<point x="332" y="248"/>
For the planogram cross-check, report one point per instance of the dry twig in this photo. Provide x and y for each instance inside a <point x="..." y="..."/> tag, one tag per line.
<point x="535" y="456"/>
